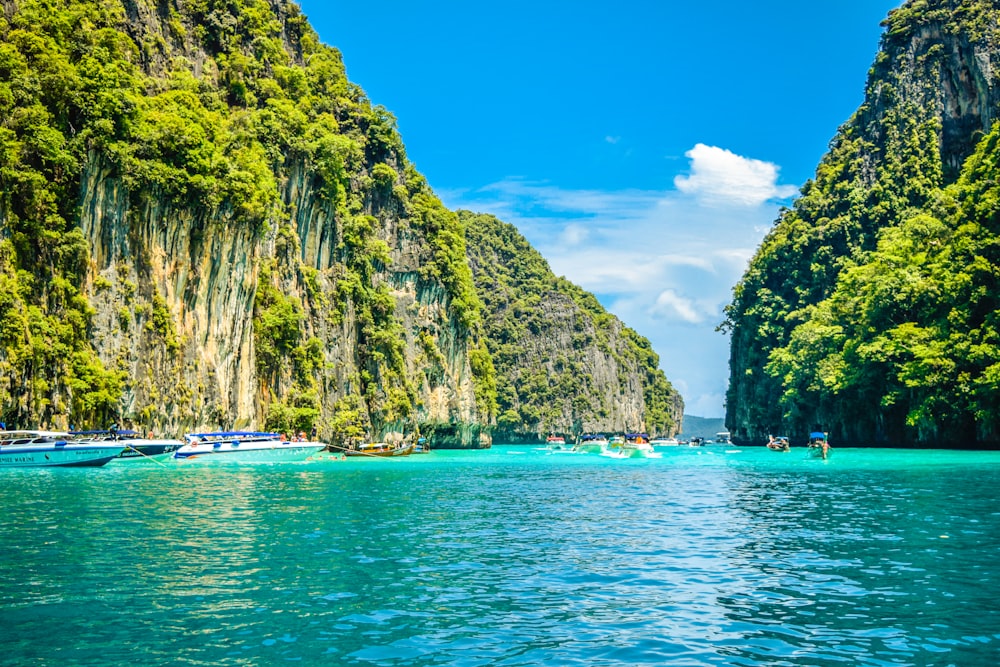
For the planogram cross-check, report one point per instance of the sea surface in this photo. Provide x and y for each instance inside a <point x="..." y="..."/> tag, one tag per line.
<point x="509" y="556"/>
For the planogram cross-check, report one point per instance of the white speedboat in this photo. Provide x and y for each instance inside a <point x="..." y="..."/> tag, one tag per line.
<point x="557" y="443"/>
<point x="50" y="449"/>
<point x="134" y="447"/>
<point x="591" y="444"/>
<point x="244" y="447"/>
<point x="665" y="442"/>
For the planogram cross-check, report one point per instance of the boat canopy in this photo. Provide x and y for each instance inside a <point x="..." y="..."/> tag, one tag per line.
<point x="816" y="435"/>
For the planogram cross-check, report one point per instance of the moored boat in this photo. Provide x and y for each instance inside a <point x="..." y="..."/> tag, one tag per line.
<point x="244" y="447"/>
<point x="134" y="446"/>
<point x="778" y="444"/>
<point x="819" y="446"/>
<point x="50" y="449"/>
<point x="556" y="443"/>
<point x="380" y="450"/>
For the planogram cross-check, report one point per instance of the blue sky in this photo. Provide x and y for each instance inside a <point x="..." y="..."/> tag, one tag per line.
<point x="644" y="148"/>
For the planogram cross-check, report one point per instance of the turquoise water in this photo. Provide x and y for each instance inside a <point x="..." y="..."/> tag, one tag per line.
<point x="511" y="556"/>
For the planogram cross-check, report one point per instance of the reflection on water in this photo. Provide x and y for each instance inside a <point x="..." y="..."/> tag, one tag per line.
<point x="495" y="558"/>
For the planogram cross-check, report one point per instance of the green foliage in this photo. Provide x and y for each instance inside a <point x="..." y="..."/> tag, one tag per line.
<point x="347" y="424"/>
<point x="484" y="372"/>
<point x="300" y="413"/>
<point x="450" y="265"/>
<point x="163" y="323"/>
<point x="277" y="322"/>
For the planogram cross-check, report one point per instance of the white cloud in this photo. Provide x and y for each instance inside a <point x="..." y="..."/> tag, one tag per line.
<point x="721" y="176"/>
<point x="612" y="140"/>
<point x="603" y="268"/>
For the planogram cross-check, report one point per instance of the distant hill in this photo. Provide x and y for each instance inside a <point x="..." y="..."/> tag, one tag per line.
<point x="702" y="427"/>
<point x="563" y="363"/>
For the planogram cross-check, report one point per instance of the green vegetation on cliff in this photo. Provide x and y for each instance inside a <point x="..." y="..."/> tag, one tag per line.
<point x="870" y="310"/>
<point x="52" y="112"/>
<point x="205" y="108"/>
<point x="563" y="363"/>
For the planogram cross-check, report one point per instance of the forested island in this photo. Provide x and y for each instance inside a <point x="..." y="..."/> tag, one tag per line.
<point x="205" y="224"/>
<point x="870" y="311"/>
<point x="564" y="364"/>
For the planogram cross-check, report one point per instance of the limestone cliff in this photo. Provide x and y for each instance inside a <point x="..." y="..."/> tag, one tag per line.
<point x="258" y="250"/>
<point x="827" y="330"/>
<point x="564" y="365"/>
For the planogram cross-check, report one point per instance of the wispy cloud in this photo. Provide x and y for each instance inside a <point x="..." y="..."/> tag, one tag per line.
<point x="669" y="304"/>
<point x="574" y="234"/>
<point x="664" y="260"/>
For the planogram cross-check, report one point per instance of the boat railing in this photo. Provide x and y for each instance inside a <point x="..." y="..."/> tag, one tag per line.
<point x="8" y="438"/>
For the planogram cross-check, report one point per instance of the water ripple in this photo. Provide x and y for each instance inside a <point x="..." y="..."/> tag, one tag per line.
<point x="700" y="558"/>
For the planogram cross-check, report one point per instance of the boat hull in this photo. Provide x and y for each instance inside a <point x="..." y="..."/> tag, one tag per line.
<point x="380" y="453"/>
<point x="144" y="450"/>
<point x="248" y="452"/>
<point x="635" y="451"/>
<point x="59" y="456"/>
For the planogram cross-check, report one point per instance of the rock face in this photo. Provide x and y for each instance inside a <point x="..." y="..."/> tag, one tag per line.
<point x="259" y="250"/>
<point x="932" y="94"/>
<point x="564" y="365"/>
